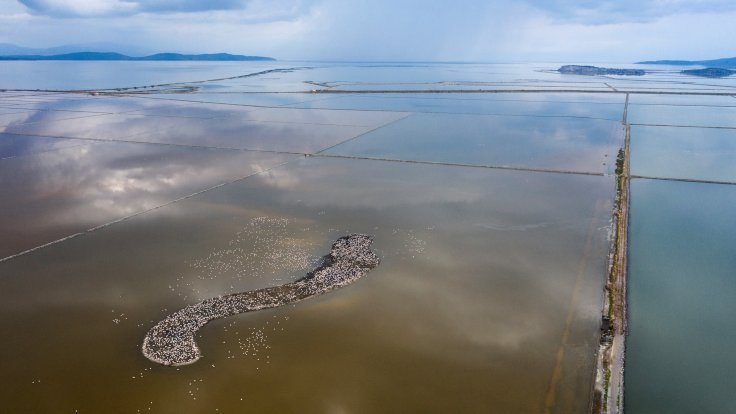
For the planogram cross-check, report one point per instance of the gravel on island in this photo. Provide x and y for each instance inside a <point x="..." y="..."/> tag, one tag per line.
<point x="171" y="341"/>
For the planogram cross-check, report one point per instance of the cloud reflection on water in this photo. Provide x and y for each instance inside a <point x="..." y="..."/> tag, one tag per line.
<point x="55" y="194"/>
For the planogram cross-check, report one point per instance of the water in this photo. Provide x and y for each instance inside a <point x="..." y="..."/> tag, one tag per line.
<point x="549" y="104"/>
<point x="561" y="143"/>
<point x="680" y="349"/>
<point x="270" y="129"/>
<point x="681" y="267"/>
<point x="688" y="153"/>
<point x="490" y="212"/>
<point x="702" y="116"/>
<point x="60" y="187"/>
<point x="470" y="289"/>
<point x="103" y="75"/>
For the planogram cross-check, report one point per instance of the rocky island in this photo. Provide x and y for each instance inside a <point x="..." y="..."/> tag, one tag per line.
<point x="711" y="63"/>
<point x="594" y="70"/>
<point x="709" y="72"/>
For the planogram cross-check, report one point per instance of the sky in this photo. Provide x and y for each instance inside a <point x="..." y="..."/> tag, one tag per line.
<point x="386" y="30"/>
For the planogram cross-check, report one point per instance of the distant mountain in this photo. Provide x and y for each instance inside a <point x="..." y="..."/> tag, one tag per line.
<point x="71" y="56"/>
<point x="9" y="49"/>
<point x="715" y="63"/>
<point x="107" y="56"/>
<point x="710" y="72"/>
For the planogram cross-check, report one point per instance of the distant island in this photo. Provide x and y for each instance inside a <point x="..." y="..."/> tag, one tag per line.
<point x="710" y="72"/>
<point x="111" y="56"/>
<point x="594" y="70"/>
<point x="726" y="63"/>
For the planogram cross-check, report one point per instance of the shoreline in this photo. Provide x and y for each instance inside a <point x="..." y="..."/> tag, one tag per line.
<point x="608" y="389"/>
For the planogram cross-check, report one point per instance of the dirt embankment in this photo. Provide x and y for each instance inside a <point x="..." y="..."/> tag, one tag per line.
<point x="609" y="386"/>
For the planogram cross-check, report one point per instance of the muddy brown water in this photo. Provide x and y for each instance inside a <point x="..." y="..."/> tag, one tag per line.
<point x="487" y="298"/>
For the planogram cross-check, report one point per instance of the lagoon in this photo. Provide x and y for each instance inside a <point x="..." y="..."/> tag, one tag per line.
<point x="490" y="211"/>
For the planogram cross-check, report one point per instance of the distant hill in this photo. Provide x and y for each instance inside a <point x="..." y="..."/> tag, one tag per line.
<point x="10" y="49"/>
<point x="109" y="56"/>
<point x="728" y="63"/>
<point x="710" y="72"/>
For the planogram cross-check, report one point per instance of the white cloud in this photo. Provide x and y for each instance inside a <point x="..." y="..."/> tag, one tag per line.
<point x="475" y="30"/>
<point x="80" y="7"/>
<point x="548" y="39"/>
<point x="255" y="9"/>
<point x="593" y="12"/>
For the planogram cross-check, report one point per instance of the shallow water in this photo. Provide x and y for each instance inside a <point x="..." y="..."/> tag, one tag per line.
<point x="51" y="193"/>
<point x="498" y="104"/>
<point x="469" y="303"/>
<point x="559" y="143"/>
<point x="490" y="290"/>
<point x="12" y="146"/>
<point x="202" y="125"/>
<point x="103" y="75"/>
<point x="702" y="116"/>
<point x="689" y="153"/>
<point x="679" y="355"/>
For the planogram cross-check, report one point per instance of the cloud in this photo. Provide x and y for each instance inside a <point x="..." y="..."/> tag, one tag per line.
<point x="259" y="9"/>
<point x="189" y="6"/>
<point x="79" y="8"/>
<point x="410" y="30"/>
<point x="594" y="12"/>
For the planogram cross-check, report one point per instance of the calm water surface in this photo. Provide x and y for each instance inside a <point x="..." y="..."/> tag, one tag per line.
<point x="680" y="352"/>
<point x="466" y="312"/>
<point x="103" y="75"/>
<point x="558" y="143"/>
<point x="689" y="153"/>
<point x="489" y="294"/>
